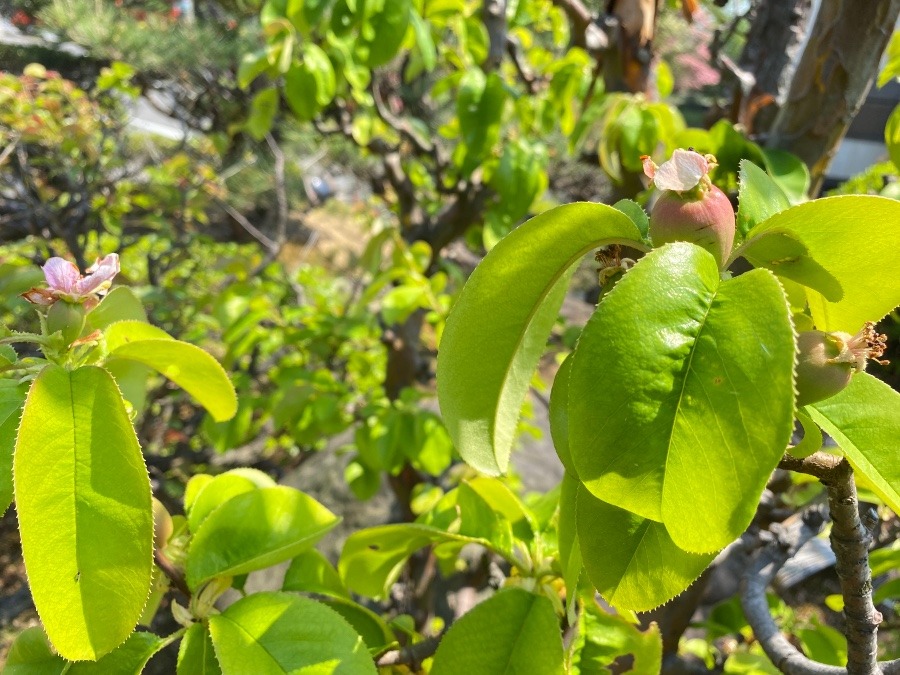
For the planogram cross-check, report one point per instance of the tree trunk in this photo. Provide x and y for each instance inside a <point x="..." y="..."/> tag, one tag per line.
<point x="832" y="80"/>
<point x="775" y="38"/>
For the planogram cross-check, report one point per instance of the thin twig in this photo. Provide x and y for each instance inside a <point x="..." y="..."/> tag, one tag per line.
<point x="246" y="224"/>
<point x="411" y="655"/>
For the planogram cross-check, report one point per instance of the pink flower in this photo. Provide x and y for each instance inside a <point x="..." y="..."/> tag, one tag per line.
<point x="66" y="282"/>
<point x="683" y="172"/>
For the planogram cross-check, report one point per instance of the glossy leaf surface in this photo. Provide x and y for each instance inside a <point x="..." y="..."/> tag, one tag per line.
<point x="500" y="324"/>
<point x="850" y="238"/>
<point x="83" y="498"/>
<point x="188" y="366"/>
<point x="280" y="633"/>
<point x="864" y="420"/>
<point x="681" y="395"/>
<point x="254" y="530"/>
<point x="513" y="631"/>
<point x="196" y="655"/>
<point x="630" y="560"/>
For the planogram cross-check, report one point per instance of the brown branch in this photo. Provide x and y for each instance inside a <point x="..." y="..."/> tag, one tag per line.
<point x="850" y="540"/>
<point x="410" y="655"/>
<point x="251" y="229"/>
<point x="173" y="573"/>
<point x="585" y="33"/>
<point x="784" y="541"/>
<point x="513" y="48"/>
<point x="493" y="15"/>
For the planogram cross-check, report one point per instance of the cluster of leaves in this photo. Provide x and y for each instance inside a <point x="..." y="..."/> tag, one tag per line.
<point x="675" y="407"/>
<point x="70" y="173"/>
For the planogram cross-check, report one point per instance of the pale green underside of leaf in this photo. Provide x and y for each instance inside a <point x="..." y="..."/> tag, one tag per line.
<point x="853" y="239"/>
<point x="372" y="559"/>
<point x="559" y="415"/>
<point x="632" y="562"/>
<point x="83" y="499"/>
<point x="511" y="632"/>
<point x="196" y="655"/>
<point x="681" y="395"/>
<point x="280" y="633"/>
<point x="188" y="366"/>
<point x="759" y="197"/>
<point x="255" y="530"/>
<point x="499" y="326"/>
<point x="864" y="420"/>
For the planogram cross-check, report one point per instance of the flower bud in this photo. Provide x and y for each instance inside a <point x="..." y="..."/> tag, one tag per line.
<point x="67" y="318"/>
<point x="690" y="208"/>
<point x="826" y="361"/>
<point x="162" y="525"/>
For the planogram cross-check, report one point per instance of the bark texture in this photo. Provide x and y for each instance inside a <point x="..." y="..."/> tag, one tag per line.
<point x="831" y="82"/>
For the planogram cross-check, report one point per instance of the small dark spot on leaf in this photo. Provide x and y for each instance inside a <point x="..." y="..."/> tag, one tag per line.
<point x="374" y="547"/>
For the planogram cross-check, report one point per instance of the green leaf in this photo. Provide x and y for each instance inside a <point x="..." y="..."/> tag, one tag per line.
<point x="499" y="326"/>
<point x="311" y="85"/>
<point x="373" y="558"/>
<point x="864" y="420"/>
<point x="848" y="237"/>
<point x="812" y="436"/>
<point x="631" y="561"/>
<point x="569" y="546"/>
<point x="31" y="654"/>
<point x="479" y="107"/>
<point x="603" y="638"/>
<point x="424" y="40"/>
<point x="783" y="254"/>
<point x="759" y="197"/>
<point x="196" y="655"/>
<point x="131" y="379"/>
<point x="253" y="64"/>
<point x="12" y="397"/>
<point x="213" y="495"/>
<point x="188" y="366"/>
<point x="280" y="633"/>
<point x="559" y="415"/>
<point x="892" y="136"/>
<point x="120" y="333"/>
<point x="263" y="109"/>
<point x="681" y="395"/>
<point x="83" y="499"/>
<point x="255" y="530"/>
<point x="637" y="214"/>
<point x="371" y="628"/>
<point x="129" y="658"/>
<point x="310" y="572"/>
<point x="513" y="631"/>
<point x="789" y="173"/>
<point x="384" y="28"/>
<point x="891" y="68"/>
<point x="120" y="304"/>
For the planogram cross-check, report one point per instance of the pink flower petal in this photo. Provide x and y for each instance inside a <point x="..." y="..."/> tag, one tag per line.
<point x="102" y="273"/>
<point x="649" y="166"/>
<point x="681" y="173"/>
<point x="61" y="275"/>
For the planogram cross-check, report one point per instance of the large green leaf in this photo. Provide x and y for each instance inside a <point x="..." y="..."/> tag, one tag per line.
<point x="373" y="558"/>
<point x="864" y="420"/>
<point x="559" y="415"/>
<point x="12" y="397"/>
<point x="499" y="326"/>
<point x="514" y="631"/>
<point x="255" y="530"/>
<point x="310" y="572"/>
<point x="681" y="395"/>
<point x="83" y="499"/>
<point x="188" y="366"/>
<point x="632" y="561"/>
<point x="892" y="136"/>
<point x="31" y="654"/>
<point x="129" y="658"/>
<point x="850" y="237"/>
<point x="196" y="655"/>
<point x="215" y="493"/>
<point x="280" y="633"/>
